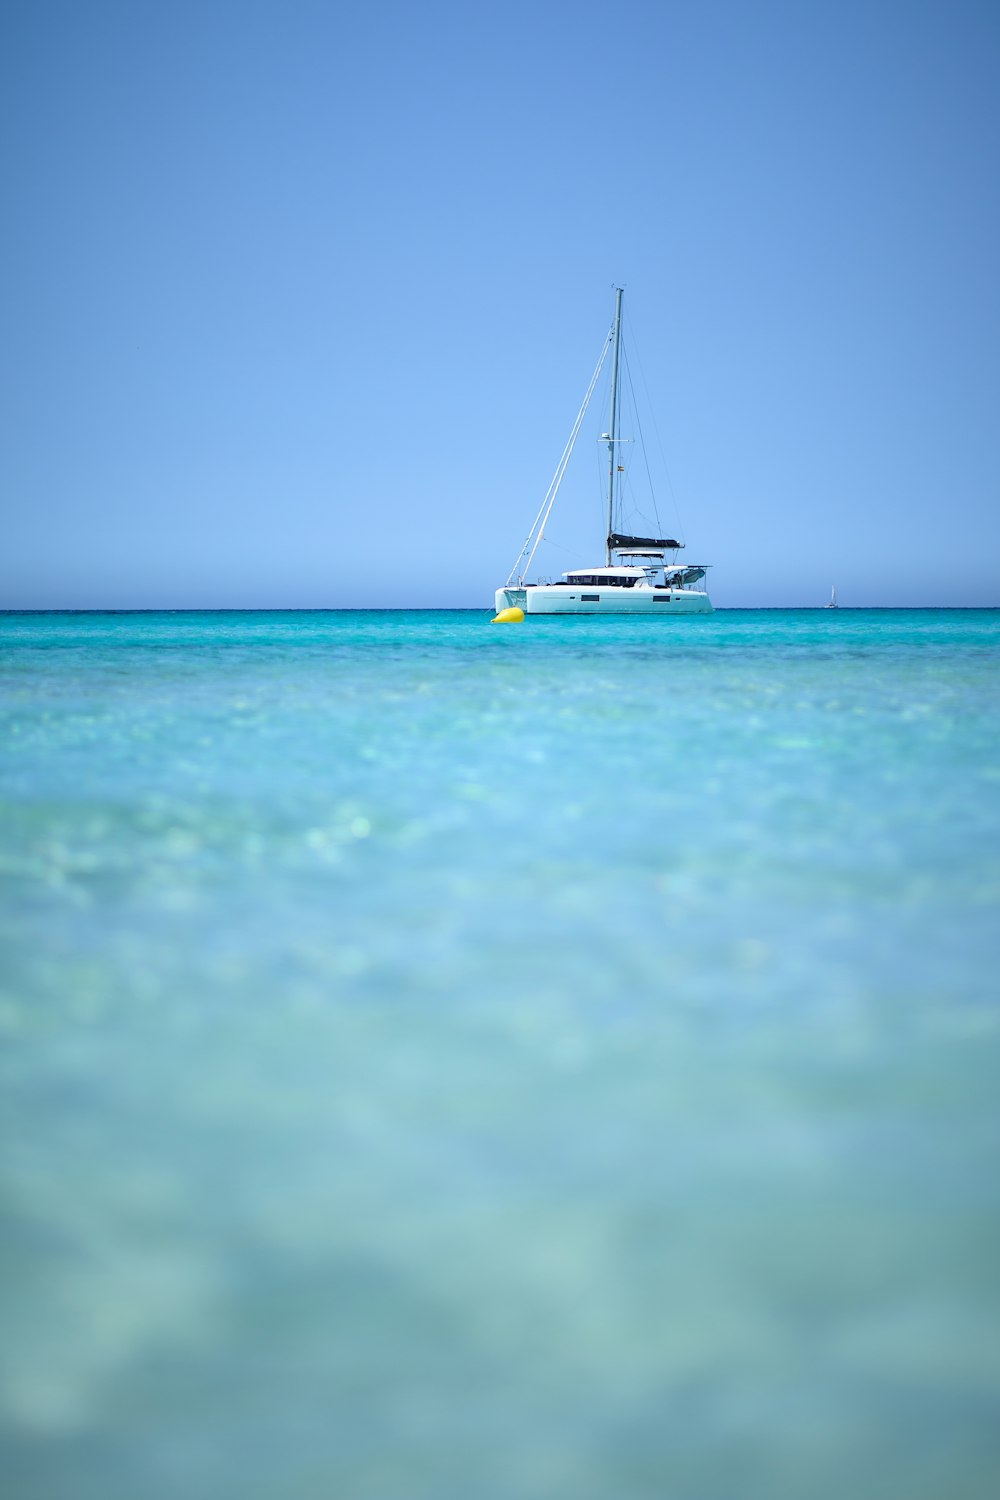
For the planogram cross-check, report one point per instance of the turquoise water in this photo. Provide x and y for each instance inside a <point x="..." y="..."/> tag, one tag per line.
<point x="542" y="1062"/>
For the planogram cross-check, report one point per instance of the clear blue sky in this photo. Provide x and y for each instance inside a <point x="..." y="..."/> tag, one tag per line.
<point x="300" y="299"/>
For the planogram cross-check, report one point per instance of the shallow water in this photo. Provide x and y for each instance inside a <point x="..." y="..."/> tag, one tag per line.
<point x="554" y="1061"/>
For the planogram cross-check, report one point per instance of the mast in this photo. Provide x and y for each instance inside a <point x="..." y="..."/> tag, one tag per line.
<point x="611" y="432"/>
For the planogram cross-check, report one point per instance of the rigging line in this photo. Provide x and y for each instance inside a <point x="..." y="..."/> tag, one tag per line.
<point x="623" y="472"/>
<point x="599" y="499"/>
<point x="560" y="470"/>
<point x="600" y="461"/>
<point x="553" y="489"/>
<point x="659" y="443"/>
<point x="642" y="445"/>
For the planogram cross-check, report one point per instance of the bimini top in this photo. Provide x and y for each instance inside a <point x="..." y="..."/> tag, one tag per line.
<point x="617" y="540"/>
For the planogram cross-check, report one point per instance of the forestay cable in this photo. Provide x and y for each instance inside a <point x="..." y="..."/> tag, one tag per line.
<point x="544" y="510"/>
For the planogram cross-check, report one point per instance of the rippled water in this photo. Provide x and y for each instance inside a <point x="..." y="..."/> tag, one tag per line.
<point x="542" y="1062"/>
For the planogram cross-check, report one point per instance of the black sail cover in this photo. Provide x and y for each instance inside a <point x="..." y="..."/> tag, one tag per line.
<point x="617" y="539"/>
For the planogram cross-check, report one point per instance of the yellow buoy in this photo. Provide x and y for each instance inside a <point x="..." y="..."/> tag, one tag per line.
<point x="508" y="617"/>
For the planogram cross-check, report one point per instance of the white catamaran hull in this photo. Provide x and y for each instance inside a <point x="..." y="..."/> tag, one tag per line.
<point x="564" y="599"/>
<point x="635" y="577"/>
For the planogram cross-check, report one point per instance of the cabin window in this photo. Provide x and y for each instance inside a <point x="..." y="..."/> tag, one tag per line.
<point x="602" y="580"/>
<point x="590" y="598"/>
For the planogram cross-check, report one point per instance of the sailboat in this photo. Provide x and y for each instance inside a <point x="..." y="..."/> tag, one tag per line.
<point x="833" y="599"/>
<point x="635" y="578"/>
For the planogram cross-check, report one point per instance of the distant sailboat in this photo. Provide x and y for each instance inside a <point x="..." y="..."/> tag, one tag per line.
<point x="833" y="599"/>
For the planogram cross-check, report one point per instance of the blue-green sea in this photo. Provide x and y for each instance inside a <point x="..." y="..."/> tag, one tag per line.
<point x="446" y="1061"/>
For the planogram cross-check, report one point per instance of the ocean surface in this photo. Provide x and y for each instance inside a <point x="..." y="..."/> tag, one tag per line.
<point x="444" y="1061"/>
